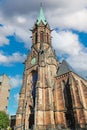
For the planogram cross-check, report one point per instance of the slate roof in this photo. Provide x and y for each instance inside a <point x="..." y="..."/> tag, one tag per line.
<point x="64" y="68"/>
<point x="41" y="17"/>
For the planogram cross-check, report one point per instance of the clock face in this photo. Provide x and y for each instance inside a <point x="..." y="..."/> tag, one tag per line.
<point x="33" y="61"/>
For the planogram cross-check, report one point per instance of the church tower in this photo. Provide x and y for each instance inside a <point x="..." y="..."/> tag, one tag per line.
<point x="53" y="96"/>
<point x="35" y="109"/>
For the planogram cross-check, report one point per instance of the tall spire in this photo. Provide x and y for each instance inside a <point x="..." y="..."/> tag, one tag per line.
<point x="41" y="16"/>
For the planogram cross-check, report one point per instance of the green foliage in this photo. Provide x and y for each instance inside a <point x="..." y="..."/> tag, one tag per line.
<point x="4" y="120"/>
<point x="10" y="128"/>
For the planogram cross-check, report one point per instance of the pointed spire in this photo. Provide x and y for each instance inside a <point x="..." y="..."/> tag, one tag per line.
<point x="41" y="16"/>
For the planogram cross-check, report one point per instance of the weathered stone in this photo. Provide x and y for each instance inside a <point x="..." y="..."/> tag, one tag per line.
<point x="49" y="99"/>
<point x="4" y="92"/>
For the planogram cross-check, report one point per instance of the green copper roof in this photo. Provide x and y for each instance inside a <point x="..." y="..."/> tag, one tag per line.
<point x="41" y="17"/>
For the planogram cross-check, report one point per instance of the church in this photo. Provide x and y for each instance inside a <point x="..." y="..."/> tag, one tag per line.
<point x="52" y="96"/>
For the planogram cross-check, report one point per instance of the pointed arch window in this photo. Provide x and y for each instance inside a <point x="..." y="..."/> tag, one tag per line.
<point x="69" y="114"/>
<point x="47" y="38"/>
<point x="34" y="79"/>
<point x="36" y="37"/>
<point x="41" y="36"/>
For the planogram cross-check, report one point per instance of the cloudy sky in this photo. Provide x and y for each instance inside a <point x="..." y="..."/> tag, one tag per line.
<point x="68" y="18"/>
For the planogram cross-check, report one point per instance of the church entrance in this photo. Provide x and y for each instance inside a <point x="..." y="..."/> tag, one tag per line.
<point x="32" y="108"/>
<point x="69" y="114"/>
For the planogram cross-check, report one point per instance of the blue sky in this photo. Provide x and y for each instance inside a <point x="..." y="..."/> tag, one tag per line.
<point x="68" y="18"/>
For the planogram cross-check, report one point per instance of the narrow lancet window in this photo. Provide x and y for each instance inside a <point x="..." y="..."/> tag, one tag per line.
<point x="69" y="114"/>
<point x="47" y="38"/>
<point x="36" y="37"/>
<point x="41" y="36"/>
<point x="34" y="78"/>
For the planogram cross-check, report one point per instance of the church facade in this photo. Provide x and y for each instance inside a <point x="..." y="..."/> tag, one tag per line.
<point x="52" y="94"/>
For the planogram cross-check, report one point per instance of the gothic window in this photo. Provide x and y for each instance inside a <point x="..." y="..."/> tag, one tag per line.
<point x="8" y="90"/>
<point x="41" y="36"/>
<point x="69" y="114"/>
<point x="36" y="38"/>
<point x="34" y="81"/>
<point x="0" y="83"/>
<point x="47" y="38"/>
<point x="7" y="98"/>
<point x="68" y="98"/>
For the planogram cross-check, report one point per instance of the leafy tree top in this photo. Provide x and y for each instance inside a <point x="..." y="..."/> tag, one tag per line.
<point x="4" y="120"/>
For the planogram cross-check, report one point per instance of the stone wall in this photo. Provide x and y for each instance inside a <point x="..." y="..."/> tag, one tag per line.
<point x="4" y="92"/>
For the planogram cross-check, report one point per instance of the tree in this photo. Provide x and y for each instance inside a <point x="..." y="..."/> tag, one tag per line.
<point x="4" y="120"/>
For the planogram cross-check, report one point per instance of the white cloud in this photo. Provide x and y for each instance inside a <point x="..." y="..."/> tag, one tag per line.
<point x="79" y="61"/>
<point x="3" y="40"/>
<point x="68" y="14"/>
<point x="21" y="33"/>
<point x="67" y="43"/>
<point x="4" y="32"/>
<point x="16" y="97"/>
<point x="62" y="14"/>
<point x="74" y="20"/>
<point x="21" y="17"/>
<point x="21" y="20"/>
<point x="7" y="60"/>
<point x="15" y="81"/>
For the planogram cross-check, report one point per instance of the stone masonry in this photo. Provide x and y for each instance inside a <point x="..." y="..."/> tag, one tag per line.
<point x="4" y="92"/>
<point x="52" y="94"/>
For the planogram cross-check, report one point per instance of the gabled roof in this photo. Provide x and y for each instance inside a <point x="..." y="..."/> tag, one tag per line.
<point x="41" y="17"/>
<point x="64" y="68"/>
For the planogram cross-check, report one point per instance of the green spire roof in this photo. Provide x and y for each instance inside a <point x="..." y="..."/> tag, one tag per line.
<point x="41" y="17"/>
